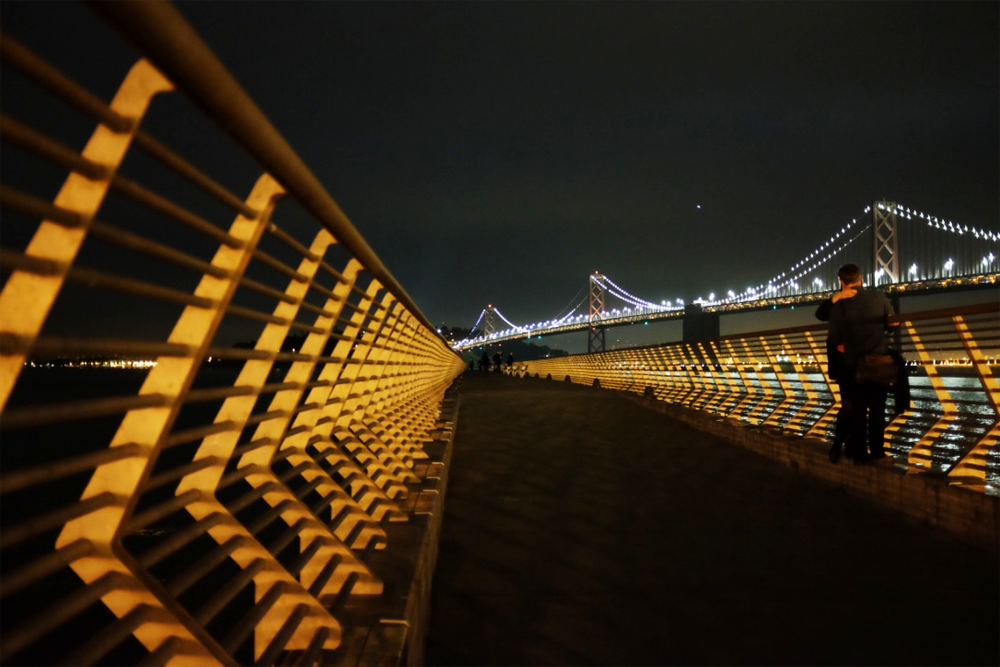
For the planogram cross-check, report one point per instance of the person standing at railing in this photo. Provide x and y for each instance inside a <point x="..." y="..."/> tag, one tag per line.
<point x="498" y="362"/>
<point x="858" y="325"/>
<point x="484" y="362"/>
<point x="834" y="364"/>
<point x="510" y="360"/>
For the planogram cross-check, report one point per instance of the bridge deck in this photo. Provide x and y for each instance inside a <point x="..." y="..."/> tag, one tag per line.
<point x="581" y="528"/>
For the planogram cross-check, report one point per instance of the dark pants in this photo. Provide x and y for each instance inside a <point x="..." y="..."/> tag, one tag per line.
<point x="863" y="412"/>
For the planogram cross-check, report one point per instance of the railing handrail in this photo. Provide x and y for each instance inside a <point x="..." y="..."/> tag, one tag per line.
<point x="155" y="28"/>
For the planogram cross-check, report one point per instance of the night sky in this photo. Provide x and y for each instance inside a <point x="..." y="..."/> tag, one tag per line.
<point x="499" y="152"/>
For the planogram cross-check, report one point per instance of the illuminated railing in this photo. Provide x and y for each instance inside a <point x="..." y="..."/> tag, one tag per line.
<point x="214" y="404"/>
<point x="779" y="379"/>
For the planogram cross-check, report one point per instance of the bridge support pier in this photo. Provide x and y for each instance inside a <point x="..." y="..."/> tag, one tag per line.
<point x="596" y="339"/>
<point x="699" y="325"/>
<point x="595" y="334"/>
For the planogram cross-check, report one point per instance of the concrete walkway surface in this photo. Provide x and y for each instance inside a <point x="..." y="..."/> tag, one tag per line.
<point x="582" y="529"/>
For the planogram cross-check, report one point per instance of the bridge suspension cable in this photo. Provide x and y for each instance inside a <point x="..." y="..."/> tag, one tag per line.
<point x="622" y="294"/>
<point x="574" y="308"/>
<point x="509" y="323"/>
<point x="476" y="325"/>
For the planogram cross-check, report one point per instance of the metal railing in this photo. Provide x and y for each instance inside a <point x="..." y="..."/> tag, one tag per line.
<point x="780" y="379"/>
<point x="212" y="405"/>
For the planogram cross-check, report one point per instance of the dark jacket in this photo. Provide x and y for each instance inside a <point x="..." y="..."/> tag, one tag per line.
<point x="859" y="324"/>
<point x="833" y="356"/>
<point x="835" y="360"/>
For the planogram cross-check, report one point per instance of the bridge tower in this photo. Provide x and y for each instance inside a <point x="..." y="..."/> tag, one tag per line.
<point x="490" y="321"/>
<point x="595" y="334"/>
<point x="886" y="255"/>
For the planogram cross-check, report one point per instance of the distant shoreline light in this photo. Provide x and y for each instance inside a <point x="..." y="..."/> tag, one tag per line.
<point x="126" y="364"/>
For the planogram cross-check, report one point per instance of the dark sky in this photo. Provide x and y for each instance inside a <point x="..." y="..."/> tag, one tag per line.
<point x="499" y="152"/>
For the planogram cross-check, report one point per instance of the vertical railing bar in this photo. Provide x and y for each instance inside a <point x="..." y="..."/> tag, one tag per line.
<point x="211" y="608"/>
<point x="268" y="517"/>
<point x="157" y="150"/>
<point x="43" y="566"/>
<point x="286" y="238"/>
<point x="12" y="259"/>
<point x="130" y="241"/>
<point x="161" y="510"/>
<point x="204" y="565"/>
<point x="17" y="638"/>
<point x="18" y="479"/>
<point x="97" y="646"/>
<point x="280" y="267"/>
<point x="49" y="149"/>
<point x="69" y="346"/>
<point x="39" y="524"/>
<point x="173" y="474"/>
<point x="306" y="555"/>
<point x="96" y="278"/>
<point x="22" y="202"/>
<point x="261" y="288"/>
<point x="254" y="494"/>
<point x="190" y="435"/>
<point x="33" y="415"/>
<point x="270" y="654"/>
<point x="345" y="592"/>
<point x="143" y="195"/>
<point x="170" y="647"/>
<point x="251" y="314"/>
<point x="245" y="626"/>
<point x="155" y="554"/>
<point x="311" y="656"/>
<point x="316" y="587"/>
<point x="290" y="533"/>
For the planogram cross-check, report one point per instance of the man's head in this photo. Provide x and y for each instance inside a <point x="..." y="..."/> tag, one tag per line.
<point x="849" y="275"/>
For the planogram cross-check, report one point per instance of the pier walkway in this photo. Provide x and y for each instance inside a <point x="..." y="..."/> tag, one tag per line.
<point x="581" y="528"/>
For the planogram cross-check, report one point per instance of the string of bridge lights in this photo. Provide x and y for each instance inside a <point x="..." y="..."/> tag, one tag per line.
<point x="900" y="210"/>
<point x="618" y="291"/>
<point x="945" y="225"/>
<point x="817" y="258"/>
<point x="751" y="292"/>
<point x="481" y="314"/>
<point x="509" y="323"/>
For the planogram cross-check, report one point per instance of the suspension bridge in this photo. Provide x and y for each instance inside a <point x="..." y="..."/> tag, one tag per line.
<point x="909" y="251"/>
<point x="169" y="498"/>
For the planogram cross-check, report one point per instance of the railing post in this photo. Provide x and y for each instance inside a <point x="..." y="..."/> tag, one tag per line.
<point x="698" y="324"/>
